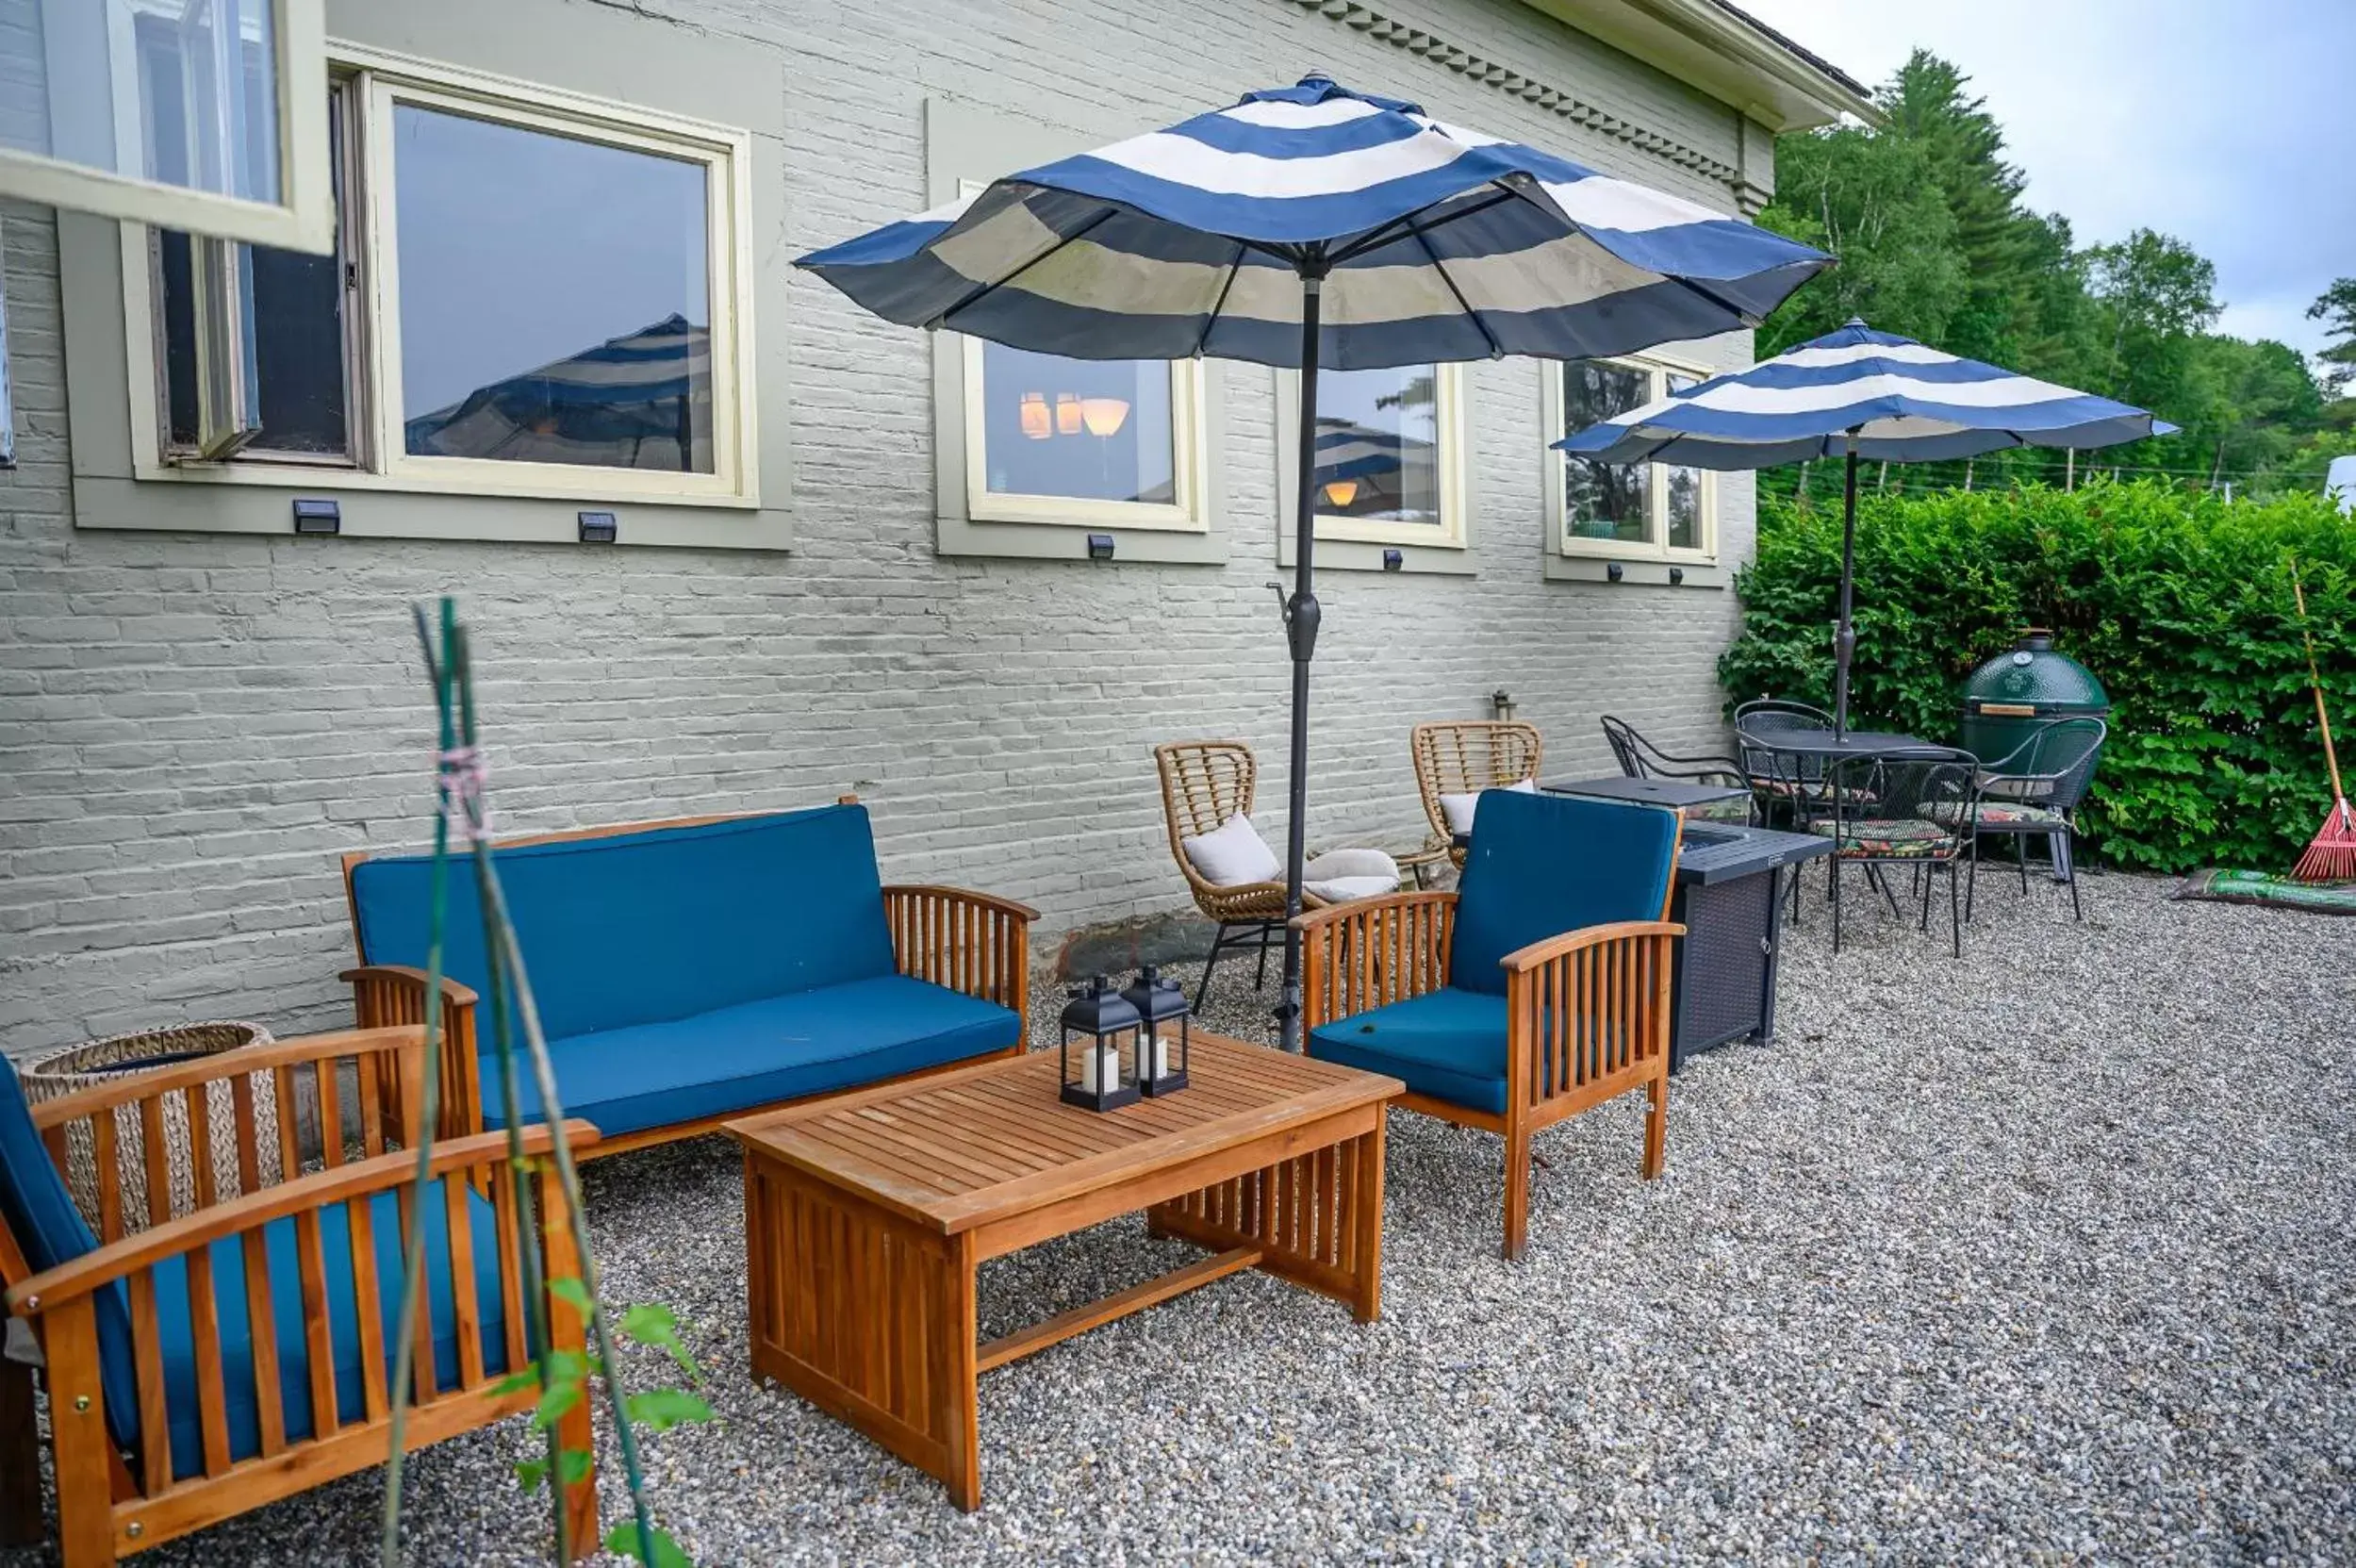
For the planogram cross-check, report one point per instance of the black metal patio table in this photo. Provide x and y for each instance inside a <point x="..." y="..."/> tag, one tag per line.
<point x="1826" y="745"/>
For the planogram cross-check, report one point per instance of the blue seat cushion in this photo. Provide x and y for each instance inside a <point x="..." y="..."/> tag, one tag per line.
<point x="739" y="1058"/>
<point x="1449" y="1044"/>
<point x="1540" y="865"/>
<point x="639" y="928"/>
<point x="50" y="1230"/>
<point x="294" y="1362"/>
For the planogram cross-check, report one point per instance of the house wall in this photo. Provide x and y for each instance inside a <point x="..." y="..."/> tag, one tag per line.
<point x="193" y="725"/>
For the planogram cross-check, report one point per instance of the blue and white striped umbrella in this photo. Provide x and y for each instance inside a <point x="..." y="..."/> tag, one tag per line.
<point x="1884" y="398"/>
<point x="1309" y="226"/>
<point x="1859" y="393"/>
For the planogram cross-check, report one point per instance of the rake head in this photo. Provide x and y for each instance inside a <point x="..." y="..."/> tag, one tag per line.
<point x="2332" y="853"/>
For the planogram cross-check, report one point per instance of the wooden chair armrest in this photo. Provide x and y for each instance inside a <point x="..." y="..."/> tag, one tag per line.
<point x="337" y="1184"/>
<point x="399" y="1041"/>
<point x="1523" y="960"/>
<point x="399" y="974"/>
<point x="959" y="895"/>
<point x="1369" y="952"/>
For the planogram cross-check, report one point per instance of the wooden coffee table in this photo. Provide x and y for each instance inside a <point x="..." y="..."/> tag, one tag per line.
<point x="866" y="1216"/>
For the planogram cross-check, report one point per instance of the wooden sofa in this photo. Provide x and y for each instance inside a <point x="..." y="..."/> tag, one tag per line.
<point x="695" y="970"/>
<point x="234" y="1346"/>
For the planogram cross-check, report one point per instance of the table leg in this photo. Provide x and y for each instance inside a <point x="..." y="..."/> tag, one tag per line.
<point x="867" y="1317"/>
<point x="1317" y="1219"/>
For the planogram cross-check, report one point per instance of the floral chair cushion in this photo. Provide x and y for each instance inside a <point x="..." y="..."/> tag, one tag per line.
<point x="1996" y="815"/>
<point x="1887" y="838"/>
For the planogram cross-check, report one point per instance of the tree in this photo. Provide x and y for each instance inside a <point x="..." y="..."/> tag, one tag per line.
<point x="2337" y="306"/>
<point x="1870" y="201"/>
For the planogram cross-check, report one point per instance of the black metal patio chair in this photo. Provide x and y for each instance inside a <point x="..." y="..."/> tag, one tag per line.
<point x="1639" y="758"/>
<point x="1905" y="809"/>
<point x="2035" y="790"/>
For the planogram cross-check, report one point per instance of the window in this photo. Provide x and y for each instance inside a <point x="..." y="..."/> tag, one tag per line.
<point x="530" y="294"/>
<point x="1390" y="456"/>
<point x="1086" y="442"/>
<point x="1638" y="510"/>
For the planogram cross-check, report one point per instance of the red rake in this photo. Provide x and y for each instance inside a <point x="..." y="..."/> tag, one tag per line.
<point x="2332" y="853"/>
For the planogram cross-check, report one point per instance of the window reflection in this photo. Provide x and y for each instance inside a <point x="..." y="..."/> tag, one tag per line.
<point x="1083" y="429"/>
<point x="554" y="297"/>
<point x="1685" y="493"/>
<point x="1379" y="444"/>
<point x="1603" y="501"/>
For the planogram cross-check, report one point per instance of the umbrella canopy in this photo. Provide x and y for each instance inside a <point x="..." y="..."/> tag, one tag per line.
<point x="1859" y="393"/>
<point x="1312" y="226"/>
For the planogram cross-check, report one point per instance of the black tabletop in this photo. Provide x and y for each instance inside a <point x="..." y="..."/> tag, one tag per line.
<point x="1821" y="743"/>
<point x="1679" y="792"/>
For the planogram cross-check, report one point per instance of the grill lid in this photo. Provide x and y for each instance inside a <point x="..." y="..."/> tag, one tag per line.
<point x="2033" y="678"/>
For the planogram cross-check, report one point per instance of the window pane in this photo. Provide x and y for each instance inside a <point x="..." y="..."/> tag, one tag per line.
<point x="1602" y="501"/>
<point x="1086" y="429"/>
<point x="1379" y="444"/>
<point x="555" y="305"/>
<point x="1685" y="494"/>
<point x="298" y="337"/>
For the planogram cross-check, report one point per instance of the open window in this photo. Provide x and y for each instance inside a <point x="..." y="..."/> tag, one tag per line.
<point x="529" y="293"/>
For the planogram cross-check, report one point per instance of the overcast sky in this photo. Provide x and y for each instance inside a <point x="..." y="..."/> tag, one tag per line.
<point x="2225" y="123"/>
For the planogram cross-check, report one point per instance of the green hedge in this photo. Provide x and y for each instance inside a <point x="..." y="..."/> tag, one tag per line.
<point x="2181" y="604"/>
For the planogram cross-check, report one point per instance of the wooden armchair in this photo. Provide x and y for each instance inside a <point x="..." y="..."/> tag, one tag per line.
<point x="1500" y="1005"/>
<point x="202" y="1363"/>
<point x="1464" y="757"/>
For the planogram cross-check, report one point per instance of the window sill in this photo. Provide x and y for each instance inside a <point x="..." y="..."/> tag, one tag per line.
<point x="381" y="512"/>
<point x="1635" y="571"/>
<point x="597" y="488"/>
<point x="1063" y="541"/>
<point x="1444" y="560"/>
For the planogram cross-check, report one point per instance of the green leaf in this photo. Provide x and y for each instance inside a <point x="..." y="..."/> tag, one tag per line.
<point x="559" y="1399"/>
<point x="531" y="1473"/>
<point x="653" y="1324"/>
<point x="574" y="1293"/>
<point x="516" y="1382"/>
<point x="661" y="1409"/>
<point x="573" y="1466"/>
<point x="659" y="1551"/>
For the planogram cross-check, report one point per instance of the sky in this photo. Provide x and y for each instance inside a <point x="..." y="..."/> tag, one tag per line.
<point x="2225" y="123"/>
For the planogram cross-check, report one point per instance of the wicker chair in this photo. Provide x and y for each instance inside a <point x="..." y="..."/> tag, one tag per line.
<point x="1204" y="783"/>
<point x="1464" y="757"/>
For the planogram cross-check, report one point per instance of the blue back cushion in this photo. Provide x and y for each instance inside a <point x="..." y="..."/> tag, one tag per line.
<point x="1543" y="864"/>
<point x="642" y="926"/>
<point x="49" y="1231"/>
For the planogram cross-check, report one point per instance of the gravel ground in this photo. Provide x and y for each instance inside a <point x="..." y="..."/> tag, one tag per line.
<point x="2045" y="1256"/>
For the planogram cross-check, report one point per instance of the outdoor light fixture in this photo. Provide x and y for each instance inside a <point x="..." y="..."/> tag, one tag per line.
<point x="1101" y="1030"/>
<point x="1394" y="559"/>
<point x="1100" y="547"/>
<point x="1501" y="705"/>
<point x="1340" y="492"/>
<point x="1104" y="417"/>
<point x="599" y="528"/>
<point x="1676" y="575"/>
<point x="1067" y="413"/>
<point x="1037" y="423"/>
<point x="1614" y="570"/>
<point x="317" y="516"/>
<point x="1164" y="1038"/>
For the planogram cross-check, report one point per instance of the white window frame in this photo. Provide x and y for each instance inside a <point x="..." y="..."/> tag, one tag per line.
<point x="1454" y="532"/>
<point x="1660" y="368"/>
<point x="302" y="220"/>
<point x="1186" y="513"/>
<point x="376" y="81"/>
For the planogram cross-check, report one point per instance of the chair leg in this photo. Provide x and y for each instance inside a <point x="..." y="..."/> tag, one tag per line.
<point x="2075" y="913"/>
<point x="1971" y="877"/>
<point x="1202" y="988"/>
<point x="1955" y="916"/>
<point x="1923" y="923"/>
<point x="1833" y="876"/>
<point x="2020" y="859"/>
<point x="1260" y="976"/>
<point x="1517" y="1191"/>
<point x="1656" y="1127"/>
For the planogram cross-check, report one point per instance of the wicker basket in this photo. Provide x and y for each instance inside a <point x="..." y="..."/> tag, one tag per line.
<point x="103" y="1060"/>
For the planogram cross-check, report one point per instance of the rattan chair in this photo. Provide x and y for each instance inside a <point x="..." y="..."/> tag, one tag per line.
<point x="1464" y="757"/>
<point x="1204" y="783"/>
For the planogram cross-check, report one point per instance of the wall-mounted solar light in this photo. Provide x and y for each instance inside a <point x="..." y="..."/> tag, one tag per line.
<point x="315" y="515"/>
<point x="1100" y="547"/>
<point x="1676" y="576"/>
<point x="1614" y="570"/>
<point x="1394" y="560"/>
<point x="599" y="528"/>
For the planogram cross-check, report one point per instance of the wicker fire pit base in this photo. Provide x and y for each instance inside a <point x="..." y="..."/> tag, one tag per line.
<point x="103" y="1060"/>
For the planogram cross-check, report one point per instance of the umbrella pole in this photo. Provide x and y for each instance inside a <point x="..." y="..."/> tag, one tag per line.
<point x="1845" y="639"/>
<point x="1300" y="625"/>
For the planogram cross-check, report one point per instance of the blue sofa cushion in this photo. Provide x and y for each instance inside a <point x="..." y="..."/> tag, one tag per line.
<point x="1449" y="1044"/>
<point x="50" y="1230"/>
<point x="742" y="1057"/>
<point x="1543" y="864"/>
<point x="639" y="928"/>
<point x="294" y="1361"/>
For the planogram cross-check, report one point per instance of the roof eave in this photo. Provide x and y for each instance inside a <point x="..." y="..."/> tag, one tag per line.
<point x="1710" y="45"/>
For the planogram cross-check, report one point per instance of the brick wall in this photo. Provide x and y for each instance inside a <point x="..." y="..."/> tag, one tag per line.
<point x="192" y="726"/>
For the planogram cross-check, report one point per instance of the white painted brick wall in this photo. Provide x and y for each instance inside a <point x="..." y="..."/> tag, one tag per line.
<point x="192" y="726"/>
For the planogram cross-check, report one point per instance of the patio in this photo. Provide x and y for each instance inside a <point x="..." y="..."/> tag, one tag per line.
<point x="2047" y="1253"/>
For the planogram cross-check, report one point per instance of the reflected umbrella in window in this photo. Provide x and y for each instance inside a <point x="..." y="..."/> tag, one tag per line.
<point x="1362" y="471"/>
<point x="643" y="401"/>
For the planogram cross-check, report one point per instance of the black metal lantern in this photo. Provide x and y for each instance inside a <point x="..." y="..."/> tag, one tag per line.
<point x="1163" y="1038"/>
<point x="1100" y="1040"/>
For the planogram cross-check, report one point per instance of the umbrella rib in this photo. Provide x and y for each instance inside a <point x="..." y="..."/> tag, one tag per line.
<point x="1496" y="349"/>
<point x="1399" y="228"/>
<point x="1221" y="303"/>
